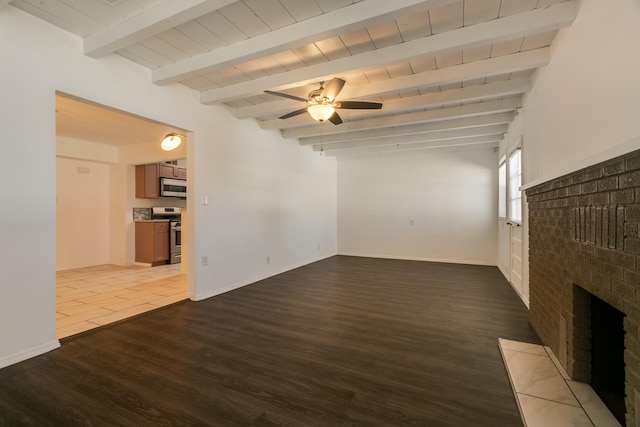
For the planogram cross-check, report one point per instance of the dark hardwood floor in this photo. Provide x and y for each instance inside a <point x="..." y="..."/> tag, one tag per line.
<point x="342" y="342"/>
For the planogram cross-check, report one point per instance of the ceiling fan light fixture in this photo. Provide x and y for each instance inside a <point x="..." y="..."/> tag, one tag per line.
<point x="171" y="141"/>
<point x="321" y="112"/>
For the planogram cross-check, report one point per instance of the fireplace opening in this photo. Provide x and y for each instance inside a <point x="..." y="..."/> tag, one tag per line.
<point x="607" y="356"/>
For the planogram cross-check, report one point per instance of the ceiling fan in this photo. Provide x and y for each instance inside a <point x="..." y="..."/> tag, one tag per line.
<point x="323" y="105"/>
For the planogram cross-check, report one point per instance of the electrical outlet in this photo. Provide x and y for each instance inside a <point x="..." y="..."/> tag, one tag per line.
<point x="205" y="199"/>
<point x="318" y="247"/>
<point x="412" y="222"/>
<point x="205" y="260"/>
<point x="268" y="260"/>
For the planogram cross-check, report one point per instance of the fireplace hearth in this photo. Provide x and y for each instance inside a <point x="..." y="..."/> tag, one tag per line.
<point x="584" y="228"/>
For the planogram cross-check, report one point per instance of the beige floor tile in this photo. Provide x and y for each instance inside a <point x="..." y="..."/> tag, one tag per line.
<point x="83" y="308"/>
<point x="110" y="293"/>
<point x="180" y="291"/>
<point x="123" y="314"/>
<point x="76" y="328"/>
<point x="168" y="300"/>
<point x="74" y="296"/>
<point x="128" y="303"/>
<point x="133" y="293"/>
<point x="101" y="299"/>
<point x="81" y="317"/>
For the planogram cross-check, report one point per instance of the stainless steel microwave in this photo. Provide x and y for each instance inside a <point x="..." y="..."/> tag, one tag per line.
<point x="173" y="187"/>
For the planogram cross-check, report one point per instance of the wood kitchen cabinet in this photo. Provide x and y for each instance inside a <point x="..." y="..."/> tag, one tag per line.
<point x="167" y="170"/>
<point x="148" y="178"/>
<point x="147" y="182"/>
<point x="152" y="242"/>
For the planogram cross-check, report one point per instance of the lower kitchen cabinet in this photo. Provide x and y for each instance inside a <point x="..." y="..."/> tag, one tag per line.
<point x="152" y="242"/>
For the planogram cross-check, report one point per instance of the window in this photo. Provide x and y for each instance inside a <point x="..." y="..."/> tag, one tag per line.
<point x="515" y="181"/>
<point x="502" y="188"/>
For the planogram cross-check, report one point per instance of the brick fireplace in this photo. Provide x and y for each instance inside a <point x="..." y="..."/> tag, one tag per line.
<point x="584" y="241"/>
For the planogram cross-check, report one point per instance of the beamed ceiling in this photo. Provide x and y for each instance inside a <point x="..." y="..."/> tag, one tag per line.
<point x="448" y="72"/>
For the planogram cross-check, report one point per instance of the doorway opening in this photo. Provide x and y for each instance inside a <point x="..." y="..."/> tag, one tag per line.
<point x="97" y="279"/>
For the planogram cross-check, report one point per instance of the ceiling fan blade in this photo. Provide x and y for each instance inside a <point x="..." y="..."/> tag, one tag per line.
<point x="359" y="105"/>
<point x="332" y="89"/>
<point x="294" y="113"/>
<point x="335" y="118"/>
<point x="285" y="95"/>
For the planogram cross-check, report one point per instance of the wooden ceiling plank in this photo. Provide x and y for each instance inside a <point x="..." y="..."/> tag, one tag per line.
<point x="240" y="15"/>
<point x="301" y="10"/>
<point x="491" y="107"/>
<point x="333" y="48"/>
<point x="61" y="15"/>
<point x="97" y="10"/>
<point x="271" y="12"/>
<point x="399" y="70"/>
<point x="450" y="59"/>
<point x="164" y="48"/>
<point x="385" y="34"/>
<point x="461" y="142"/>
<point x="199" y="34"/>
<point x="447" y="18"/>
<point x="358" y="42"/>
<point x="348" y="19"/>
<point x="147" y="54"/>
<point x="164" y="15"/>
<point x="539" y="20"/>
<point x="507" y="47"/>
<point x="182" y="42"/>
<point x="414" y="26"/>
<point x="467" y="122"/>
<point x="488" y="67"/>
<point x="511" y="7"/>
<point x="538" y="40"/>
<point x="222" y="28"/>
<point x="475" y="12"/>
<point x="418" y="137"/>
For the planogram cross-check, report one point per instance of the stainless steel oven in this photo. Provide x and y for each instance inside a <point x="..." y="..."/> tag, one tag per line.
<point x="175" y="230"/>
<point x="175" y="242"/>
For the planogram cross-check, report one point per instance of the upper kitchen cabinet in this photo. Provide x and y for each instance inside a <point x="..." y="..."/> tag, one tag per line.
<point x="147" y="181"/>
<point x="160" y="180"/>
<point x="166" y="170"/>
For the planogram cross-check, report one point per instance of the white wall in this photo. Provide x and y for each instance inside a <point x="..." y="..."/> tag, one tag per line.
<point x="586" y="101"/>
<point x="267" y="196"/>
<point x="82" y="213"/>
<point x="585" y="104"/>
<point x="451" y="197"/>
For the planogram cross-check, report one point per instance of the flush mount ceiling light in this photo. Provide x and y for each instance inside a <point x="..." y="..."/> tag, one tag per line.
<point x="321" y="112"/>
<point x="171" y="141"/>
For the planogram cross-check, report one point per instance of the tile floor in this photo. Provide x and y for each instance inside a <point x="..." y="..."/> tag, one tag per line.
<point x="546" y="395"/>
<point x="95" y="296"/>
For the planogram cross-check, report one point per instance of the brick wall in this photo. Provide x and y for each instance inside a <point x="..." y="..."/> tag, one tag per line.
<point x="584" y="237"/>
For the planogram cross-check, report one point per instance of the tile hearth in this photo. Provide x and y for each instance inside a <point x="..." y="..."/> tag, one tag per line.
<point x="545" y="394"/>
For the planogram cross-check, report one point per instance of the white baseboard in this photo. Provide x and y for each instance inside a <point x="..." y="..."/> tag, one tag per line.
<point x="28" y="354"/>
<point x="409" y="258"/>
<point x="231" y="287"/>
<point x="504" y="272"/>
<point x="506" y="276"/>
